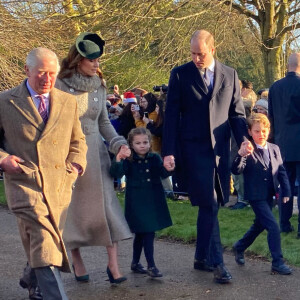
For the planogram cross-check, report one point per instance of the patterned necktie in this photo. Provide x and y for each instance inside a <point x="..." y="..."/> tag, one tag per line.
<point x="42" y="108"/>
<point x="265" y="155"/>
<point x="207" y="80"/>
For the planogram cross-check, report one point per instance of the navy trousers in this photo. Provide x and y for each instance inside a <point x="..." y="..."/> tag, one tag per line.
<point x="286" y="209"/>
<point x="264" y="219"/>
<point x="208" y="245"/>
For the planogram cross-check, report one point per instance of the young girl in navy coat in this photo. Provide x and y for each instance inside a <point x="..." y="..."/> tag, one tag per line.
<point x="263" y="170"/>
<point x="146" y="209"/>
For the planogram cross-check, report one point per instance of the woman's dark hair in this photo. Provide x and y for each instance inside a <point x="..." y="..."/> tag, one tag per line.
<point x="161" y="113"/>
<point x="151" y="99"/>
<point x="69" y="65"/>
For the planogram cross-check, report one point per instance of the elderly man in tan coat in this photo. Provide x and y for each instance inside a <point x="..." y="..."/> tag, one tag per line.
<point x="42" y="152"/>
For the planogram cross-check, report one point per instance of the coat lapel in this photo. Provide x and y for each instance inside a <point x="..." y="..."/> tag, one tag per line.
<point x="198" y="79"/>
<point x="218" y="78"/>
<point x="22" y="101"/>
<point x="56" y="104"/>
<point x="273" y="158"/>
<point x="258" y="155"/>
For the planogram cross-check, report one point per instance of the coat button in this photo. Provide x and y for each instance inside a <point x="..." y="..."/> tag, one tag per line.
<point x="265" y="169"/>
<point x="139" y="161"/>
<point x="265" y="179"/>
<point x="147" y="170"/>
<point x="146" y="161"/>
<point x="57" y="166"/>
<point x="96" y="99"/>
<point x="54" y="143"/>
<point x="148" y="179"/>
<point x="71" y="90"/>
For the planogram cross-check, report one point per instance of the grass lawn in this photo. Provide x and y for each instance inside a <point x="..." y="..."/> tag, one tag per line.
<point x="233" y="225"/>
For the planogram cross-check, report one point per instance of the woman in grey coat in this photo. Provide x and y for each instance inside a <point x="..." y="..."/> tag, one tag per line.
<point x="95" y="217"/>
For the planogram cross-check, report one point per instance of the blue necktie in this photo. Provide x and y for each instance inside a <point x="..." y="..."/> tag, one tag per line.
<point x="207" y="80"/>
<point x="265" y="155"/>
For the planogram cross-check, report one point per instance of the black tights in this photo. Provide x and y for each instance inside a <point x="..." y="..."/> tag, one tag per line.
<point x="146" y="240"/>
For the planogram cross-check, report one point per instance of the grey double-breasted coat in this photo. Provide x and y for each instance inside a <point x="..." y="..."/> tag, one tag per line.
<point x="95" y="217"/>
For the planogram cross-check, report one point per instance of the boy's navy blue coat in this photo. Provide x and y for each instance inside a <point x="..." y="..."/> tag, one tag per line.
<point x="256" y="173"/>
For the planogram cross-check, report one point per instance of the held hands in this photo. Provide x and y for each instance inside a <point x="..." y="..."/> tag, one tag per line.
<point x="10" y="164"/>
<point x="169" y="162"/>
<point x="123" y="153"/>
<point x="285" y="199"/>
<point x="246" y="148"/>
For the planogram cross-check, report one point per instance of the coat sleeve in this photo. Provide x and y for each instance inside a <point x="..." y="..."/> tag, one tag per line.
<point x="270" y="115"/>
<point x="117" y="169"/>
<point x="78" y="147"/>
<point x="162" y="170"/>
<point x="282" y="177"/>
<point x="239" y="164"/>
<point x="108" y="132"/>
<point x="172" y="115"/>
<point x="237" y="114"/>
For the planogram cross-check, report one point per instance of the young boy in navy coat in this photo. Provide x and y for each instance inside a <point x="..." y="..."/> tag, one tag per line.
<point x="263" y="170"/>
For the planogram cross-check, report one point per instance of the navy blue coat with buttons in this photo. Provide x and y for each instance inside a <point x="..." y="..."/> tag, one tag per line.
<point x="146" y="208"/>
<point x="256" y="176"/>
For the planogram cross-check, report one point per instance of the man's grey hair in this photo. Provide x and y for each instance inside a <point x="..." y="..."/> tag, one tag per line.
<point x="294" y="62"/>
<point x="37" y="54"/>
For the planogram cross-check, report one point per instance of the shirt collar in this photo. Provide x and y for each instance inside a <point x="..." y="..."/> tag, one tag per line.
<point x="261" y="147"/>
<point x="34" y="94"/>
<point x="211" y="67"/>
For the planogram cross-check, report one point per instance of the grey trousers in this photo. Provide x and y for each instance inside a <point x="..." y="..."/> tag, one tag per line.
<point x="50" y="283"/>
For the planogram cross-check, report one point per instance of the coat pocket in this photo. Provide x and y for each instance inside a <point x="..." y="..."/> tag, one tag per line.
<point x="66" y="187"/>
<point x="22" y="191"/>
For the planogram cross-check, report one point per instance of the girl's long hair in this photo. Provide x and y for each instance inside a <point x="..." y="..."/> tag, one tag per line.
<point x="70" y="63"/>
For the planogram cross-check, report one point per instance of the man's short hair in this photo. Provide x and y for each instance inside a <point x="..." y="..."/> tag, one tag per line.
<point x="258" y="118"/>
<point x="37" y="54"/>
<point x="204" y="35"/>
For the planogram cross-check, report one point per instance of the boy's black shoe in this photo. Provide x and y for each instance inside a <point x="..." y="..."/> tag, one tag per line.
<point x="282" y="269"/>
<point x="154" y="272"/>
<point x="239" y="256"/>
<point x="221" y="274"/>
<point x="202" y="265"/>
<point x="138" y="268"/>
<point x="288" y="229"/>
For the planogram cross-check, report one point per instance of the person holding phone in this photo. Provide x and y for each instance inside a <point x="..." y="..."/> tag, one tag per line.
<point x="146" y="114"/>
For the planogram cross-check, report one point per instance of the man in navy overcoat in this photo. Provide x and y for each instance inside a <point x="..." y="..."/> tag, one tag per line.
<point x="203" y="106"/>
<point x="284" y="115"/>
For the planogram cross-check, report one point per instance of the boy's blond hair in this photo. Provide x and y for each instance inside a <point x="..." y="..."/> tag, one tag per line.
<point x="258" y="118"/>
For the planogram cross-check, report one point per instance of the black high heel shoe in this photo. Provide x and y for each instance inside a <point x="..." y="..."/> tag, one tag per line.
<point x="112" y="279"/>
<point x="83" y="278"/>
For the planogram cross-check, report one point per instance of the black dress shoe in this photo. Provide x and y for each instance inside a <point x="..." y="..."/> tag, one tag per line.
<point x="111" y="278"/>
<point x="154" y="272"/>
<point x="138" y="268"/>
<point x="288" y="229"/>
<point x="239" y="256"/>
<point x="35" y="293"/>
<point x="238" y="205"/>
<point x="221" y="274"/>
<point x="282" y="269"/>
<point x="202" y="265"/>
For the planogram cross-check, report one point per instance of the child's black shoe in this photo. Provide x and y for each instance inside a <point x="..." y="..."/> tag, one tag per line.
<point x="154" y="272"/>
<point x="138" y="268"/>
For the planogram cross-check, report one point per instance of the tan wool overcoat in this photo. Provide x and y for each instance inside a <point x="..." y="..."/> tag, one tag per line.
<point x="40" y="196"/>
